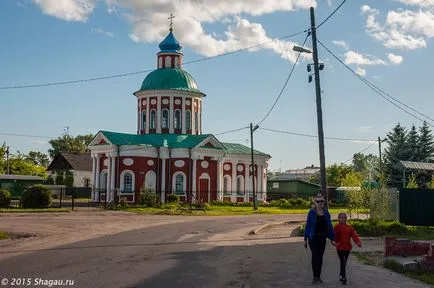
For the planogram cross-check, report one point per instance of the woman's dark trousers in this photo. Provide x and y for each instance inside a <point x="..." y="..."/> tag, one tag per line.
<point x="317" y="247"/>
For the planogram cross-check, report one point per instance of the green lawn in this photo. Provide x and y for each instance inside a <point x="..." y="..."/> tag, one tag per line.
<point x="36" y="210"/>
<point x="225" y="210"/>
<point x="377" y="259"/>
<point x="3" y="235"/>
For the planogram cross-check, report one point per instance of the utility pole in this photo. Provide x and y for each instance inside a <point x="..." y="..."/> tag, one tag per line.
<point x="7" y="159"/>
<point x="319" y="109"/>
<point x="252" y="129"/>
<point x="379" y="150"/>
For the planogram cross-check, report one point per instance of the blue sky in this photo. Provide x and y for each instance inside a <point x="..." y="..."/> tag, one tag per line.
<point x="388" y="42"/>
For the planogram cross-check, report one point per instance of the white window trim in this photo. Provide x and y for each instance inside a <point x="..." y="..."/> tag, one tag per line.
<point x="229" y="186"/>
<point x="168" y="118"/>
<point x="147" y="176"/>
<point x="188" y="121"/>
<point x="133" y="179"/>
<point x="241" y="191"/>
<point x="180" y="119"/>
<point x="184" y="182"/>
<point x="144" y="120"/>
<point x="155" y="119"/>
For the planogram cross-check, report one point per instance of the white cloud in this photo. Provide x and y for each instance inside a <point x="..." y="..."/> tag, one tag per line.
<point x="353" y="57"/>
<point x="403" y="29"/>
<point x="366" y="129"/>
<point x="70" y="10"/>
<point x="394" y="59"/>
<point x="102" y="32"/>
<point x="361" y="71"/>
<point x="421" y="3"/>
<point x="341" y="43"/>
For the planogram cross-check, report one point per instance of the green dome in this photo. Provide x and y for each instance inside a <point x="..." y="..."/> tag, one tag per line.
<point x="170" y="79"/>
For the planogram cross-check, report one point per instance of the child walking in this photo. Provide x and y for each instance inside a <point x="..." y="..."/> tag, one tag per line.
<point x="343" y="234"/>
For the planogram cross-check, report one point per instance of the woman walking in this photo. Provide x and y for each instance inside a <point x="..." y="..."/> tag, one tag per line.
<point x="318" y="229"/>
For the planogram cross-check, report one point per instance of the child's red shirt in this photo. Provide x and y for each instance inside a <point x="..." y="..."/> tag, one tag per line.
<point x="343" y="235"/>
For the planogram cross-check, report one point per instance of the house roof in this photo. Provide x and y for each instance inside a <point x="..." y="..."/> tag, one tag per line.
<point x="174" y="141"/>
<point x="276" y="179"/>
<point x="417" y="165"/>
<point x="71" y="161"/>
<point x="20" y="177"/>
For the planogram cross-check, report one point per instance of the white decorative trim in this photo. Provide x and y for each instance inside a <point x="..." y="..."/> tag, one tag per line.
<point x="150" y="162"/>
<point x="187" y="102"/>
<point x="148" y="177"/>
<point x="153" y="101"/>
<point x="105" y="163"/>
<point x="227" y="167"/>
<point x="165" y="101"/>
<point x="177" y="101"/>
<point x="183" y="124"/>
<point x="128" y="161"/>
<point x="240" y="168"/>
<point x="177" y="93"/>
<point x="204" y="164"/>
<point x="144" y="102"/>
<point x="179" y="163"/>
<point x="158" y="114"/>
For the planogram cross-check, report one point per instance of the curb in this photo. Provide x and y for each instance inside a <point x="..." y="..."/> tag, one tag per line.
<point x="257" y="230"/>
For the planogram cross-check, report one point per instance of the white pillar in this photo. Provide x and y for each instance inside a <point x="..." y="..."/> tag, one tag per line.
<point x="139" y="125"/>
<point x="183" y="124"/>
<point x="264" y="184"/>
<point x="109" y="169"/>
<point x="260" y="180"/>
<point x="171" y="114"/>
<point x="193" y="184"/>
<point x="234" y="182"/>
<point x="113" y="177"/>
<point x="93" y="178"/>
<point x="219" y="176"/>
<point x="193" y="116"/>
<point x="158" y="114"/>
<point x="163" y="179"/>
<point x="147" y="115"/>
<point x="246" y="182"/>
<point x="97" y="174"/>
<point x="199" y="122"/>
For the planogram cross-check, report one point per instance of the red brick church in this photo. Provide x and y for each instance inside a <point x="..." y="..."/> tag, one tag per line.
<point x="169" y="153"/>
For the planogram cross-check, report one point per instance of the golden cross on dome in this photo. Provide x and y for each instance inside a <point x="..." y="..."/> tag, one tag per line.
<point x="171" y="21"/>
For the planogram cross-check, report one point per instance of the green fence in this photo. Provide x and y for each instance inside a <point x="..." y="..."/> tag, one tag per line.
<point x="416" y="207"/>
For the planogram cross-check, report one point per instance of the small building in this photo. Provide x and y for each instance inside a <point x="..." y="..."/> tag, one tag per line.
<point x="284" y="187"/>
<point x="16" y="184"/>
<point x="302" y="174"/>
<point x="79" y="165"/>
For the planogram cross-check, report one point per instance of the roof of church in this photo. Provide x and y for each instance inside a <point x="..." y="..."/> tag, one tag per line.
<point x="173" y="141"/>
<point x="170" y="79"/>
<point x="170" y="44"/>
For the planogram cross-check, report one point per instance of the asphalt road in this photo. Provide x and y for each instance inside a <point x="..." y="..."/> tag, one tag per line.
<point x="207" y="252"/>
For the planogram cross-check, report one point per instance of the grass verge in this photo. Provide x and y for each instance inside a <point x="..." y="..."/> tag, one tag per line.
<point x="3" y="235"/>
<point x="223" y="210"/>
<point x="376" y="259"/>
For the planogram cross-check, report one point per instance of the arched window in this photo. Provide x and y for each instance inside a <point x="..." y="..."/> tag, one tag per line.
<point x="103" y="180"/>
<point x="227" y="185"/>
<point x="177" y="119"/>
<point x="179" y="185"/>
<point x="150" y="180"/>
<point x="167" y="63"/>
<point x="165" y="118"/>
<point x="160" y="62"/>
<point x="196" y="121"/>
<point x="152" y="120"/>
<point x="143" y="120"/>
<point x="127" y="182"/>
<point x="188" y="120"/>
<point x="240" y="185"/>
<point x="176" y="62"/>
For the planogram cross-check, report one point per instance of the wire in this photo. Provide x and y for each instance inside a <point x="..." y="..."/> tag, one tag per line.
<point x="143" y="71"/>
<point x="284" y="85"/>
<point x="378" y="90"/>
<point x="325" y="20"/>
<point x="350" y="159"/>
<point x="231" y="131"/>
<point x="316" y="136"/>
<point x="26" y="135"/>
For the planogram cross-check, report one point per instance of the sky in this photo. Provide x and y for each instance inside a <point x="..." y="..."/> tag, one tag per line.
<point x="388" y="42"/>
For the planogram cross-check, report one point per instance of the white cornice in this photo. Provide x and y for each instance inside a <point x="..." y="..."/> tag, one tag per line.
<point x="177" y="93"/>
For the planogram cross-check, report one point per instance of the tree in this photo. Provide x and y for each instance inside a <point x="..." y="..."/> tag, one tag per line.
<point x="336" y="174"/>
<point x="426" y="144"/>
<point x="397" y="150"/>
<point x="366" y="165"/>
<point x="413" y="145"/>
<point x="67" y="143"/>
<point x="38" y="158"/>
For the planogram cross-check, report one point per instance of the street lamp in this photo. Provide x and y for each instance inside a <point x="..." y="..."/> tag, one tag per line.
<point x="253" y="129"/>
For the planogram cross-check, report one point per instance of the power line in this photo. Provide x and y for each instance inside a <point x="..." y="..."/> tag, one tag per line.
<point x="378" y="90"/>
<point x="325" y="20"/>
<point x="231" y="131"/>
<point x="26" y="135"/>
<point x="350" y="159"/>
<point x="143" y="71"/>
<point x="284" y="85"/>
<point x="316" y="136"/>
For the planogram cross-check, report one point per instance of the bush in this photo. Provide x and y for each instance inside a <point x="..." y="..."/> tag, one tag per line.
<point x="123" y="202"/>
<point x="148" y="198"/>
<point x="37" y="196"/>
<point x="232" y="204"/>
<point x="5" y="198"/>
<point x="172" y="198"/>
<point x="291" y="203"/>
